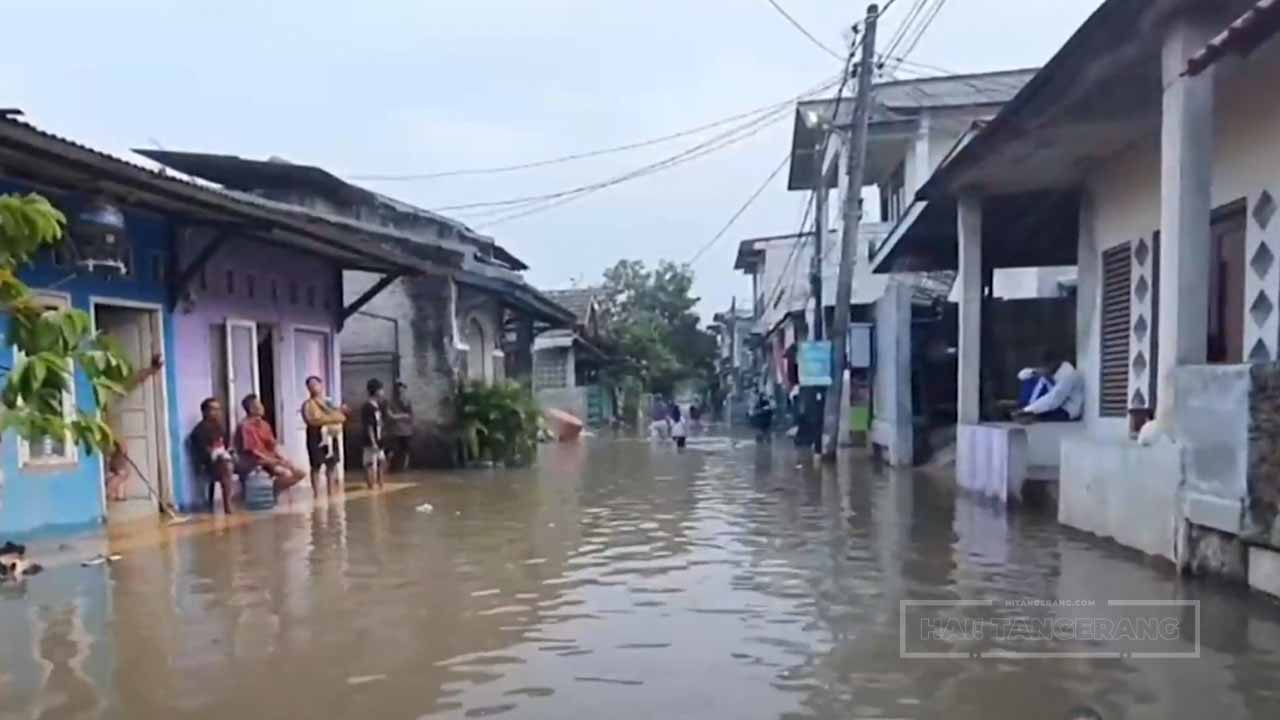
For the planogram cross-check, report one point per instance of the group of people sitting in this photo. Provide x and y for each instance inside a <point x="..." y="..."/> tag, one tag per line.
<point x="386" y="424"/>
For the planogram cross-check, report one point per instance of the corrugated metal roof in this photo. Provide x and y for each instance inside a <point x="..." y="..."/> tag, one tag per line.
<point x="902" y="99"/>
<point x="37" y="152"/>
<point x="895" y="109"/>
<point x="248" y="175"/>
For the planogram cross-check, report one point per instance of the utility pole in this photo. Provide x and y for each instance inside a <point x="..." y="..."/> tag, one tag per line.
<point x="815" y="273"/>
<point x="857" y="147"/>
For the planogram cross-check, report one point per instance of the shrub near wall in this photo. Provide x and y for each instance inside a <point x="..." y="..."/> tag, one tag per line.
<point x="499" y="421"/>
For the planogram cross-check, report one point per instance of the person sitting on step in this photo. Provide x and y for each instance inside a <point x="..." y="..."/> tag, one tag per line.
<point x="213" y="459"/>
<point x="256" y="448"/>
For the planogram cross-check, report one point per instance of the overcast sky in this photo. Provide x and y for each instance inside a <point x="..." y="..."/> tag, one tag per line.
<point x="416" y="86"/>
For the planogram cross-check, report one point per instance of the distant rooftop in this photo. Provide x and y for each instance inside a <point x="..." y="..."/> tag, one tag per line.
<point x="898" y="102"/>
<point x="277" y="174"/>
<point x="576" y="300"/>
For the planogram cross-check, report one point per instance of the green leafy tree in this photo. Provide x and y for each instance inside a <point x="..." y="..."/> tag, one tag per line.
<point x="650" y="322"/>
<point x="50" y="343"/>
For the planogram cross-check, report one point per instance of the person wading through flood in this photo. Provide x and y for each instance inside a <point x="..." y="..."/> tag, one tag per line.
<point x="257" y="448"/>
<point x="375" y="458"/>
<point x="324" y="431"/>
<point x="679" y="430"/>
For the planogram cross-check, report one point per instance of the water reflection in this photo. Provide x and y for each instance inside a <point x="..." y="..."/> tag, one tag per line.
<point x="730" y="580"/>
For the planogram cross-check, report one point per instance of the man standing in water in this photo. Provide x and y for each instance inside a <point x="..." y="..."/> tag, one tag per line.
<point x="324" y="432"/>
<point x="399" y="420"/>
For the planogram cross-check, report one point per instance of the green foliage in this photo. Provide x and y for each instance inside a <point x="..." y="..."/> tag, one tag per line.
<point x="50" y="343"/>
<point x="650" y="322"/>
<point x="499" y="421"/>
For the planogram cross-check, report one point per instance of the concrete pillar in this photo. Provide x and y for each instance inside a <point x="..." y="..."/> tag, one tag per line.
<point x="969" y="278"/>
<point x="1088" y="294"/>
<point x="892" y="428"/>
<point x="1186" y="173"/>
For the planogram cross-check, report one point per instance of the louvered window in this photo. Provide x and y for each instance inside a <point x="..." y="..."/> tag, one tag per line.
<point x="1113" y="370"/>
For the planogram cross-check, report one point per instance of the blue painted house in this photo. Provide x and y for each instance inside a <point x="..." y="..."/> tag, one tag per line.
<point x="236" y="292"/>
<point x="55" y="485"/>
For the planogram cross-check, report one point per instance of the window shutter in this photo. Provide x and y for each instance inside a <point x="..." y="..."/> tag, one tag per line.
<point x="1113" y="369"/>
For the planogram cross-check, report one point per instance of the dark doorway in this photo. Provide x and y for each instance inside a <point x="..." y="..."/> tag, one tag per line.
<point x="1226" y="287"/>
<point x="267" y="373"/>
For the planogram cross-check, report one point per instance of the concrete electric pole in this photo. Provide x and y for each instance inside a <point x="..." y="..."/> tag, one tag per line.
<point x="815" y="275"/>
<point x="857" y="147"/>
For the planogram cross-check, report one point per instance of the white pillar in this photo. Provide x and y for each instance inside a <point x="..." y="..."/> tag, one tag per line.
<point x="1088" y="294"/>
<point x="1186" y="174"/>
<point x="969" y="221"/>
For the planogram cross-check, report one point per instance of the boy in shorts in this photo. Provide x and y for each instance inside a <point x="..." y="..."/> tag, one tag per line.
<point x="375" y="457"/>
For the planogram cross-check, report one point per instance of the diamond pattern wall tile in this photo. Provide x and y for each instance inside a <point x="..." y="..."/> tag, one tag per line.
<point x="1140" y="328"/>
<point x="1264" y="209"/>
<point x="1141" y="252"/>
<point x="1141" y="289"/>
<point x="1259" y="353"/>
<point x="1138" y="400"/>
<point x="1262" y="260"/>
<point x="1139" y="364"/>
<point x="1261" y="308"/>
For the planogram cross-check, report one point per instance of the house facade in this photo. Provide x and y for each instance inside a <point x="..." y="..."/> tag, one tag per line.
<point x="567" y="361"/>
<point x="468" y="316"/>
<point x="734" y="361"/>
<point x="1148" y="146"/>
<point x="913" y="126"/>
<point x="237" y="295"/>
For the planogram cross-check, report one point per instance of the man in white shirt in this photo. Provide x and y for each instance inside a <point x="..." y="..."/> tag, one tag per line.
<point x="1064" y="401"/>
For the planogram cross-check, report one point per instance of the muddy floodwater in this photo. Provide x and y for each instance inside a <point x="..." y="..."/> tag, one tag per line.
<point x="622" y="580"/>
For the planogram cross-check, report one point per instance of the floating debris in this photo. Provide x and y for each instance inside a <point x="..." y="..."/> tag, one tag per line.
<point x="14" y="564"/>
<point x="426" y="507"/>
<point x="611" y="681"/>
<point x="363" y="679"/>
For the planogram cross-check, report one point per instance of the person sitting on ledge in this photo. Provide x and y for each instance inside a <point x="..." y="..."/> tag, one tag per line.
<point x="1065" y="400"/>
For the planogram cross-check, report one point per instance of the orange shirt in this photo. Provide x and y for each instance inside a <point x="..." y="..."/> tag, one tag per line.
<point x="256" y="438"/>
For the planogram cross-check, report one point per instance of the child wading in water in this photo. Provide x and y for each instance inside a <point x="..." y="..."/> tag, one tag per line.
<point x="679" y="430"/>
<point x="375" y="458"/>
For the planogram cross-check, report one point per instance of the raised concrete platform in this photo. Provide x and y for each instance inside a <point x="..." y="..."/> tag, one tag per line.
<point x="998" y="459"/>
<point x="1122" y="490"/>
<point x="1264" y="570"/>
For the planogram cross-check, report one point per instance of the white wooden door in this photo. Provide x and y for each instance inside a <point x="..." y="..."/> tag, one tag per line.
<point x="242" y="367"/>
<point x="310" y="357"/>
<point x="133" y="417"/>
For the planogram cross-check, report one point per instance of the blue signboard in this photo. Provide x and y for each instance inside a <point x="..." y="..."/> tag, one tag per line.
<point x="814" y="359"/>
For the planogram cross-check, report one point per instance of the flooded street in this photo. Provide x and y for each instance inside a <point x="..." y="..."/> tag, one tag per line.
<point x="617" y="578"/>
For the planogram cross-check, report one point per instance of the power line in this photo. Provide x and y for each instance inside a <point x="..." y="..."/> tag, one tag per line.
<point x="772" y="296"/>
<point x="753" y="123"/>
<point x="900" y="32"/>
<point x="558" y="199"/>
<point x="924" y="26"/>
<point x="796" y="24"/>
<point x="720" y="141"/>
<point x="734" y="218"/>
<point x="529" y="205"/>
<point x="399" y="177"/>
